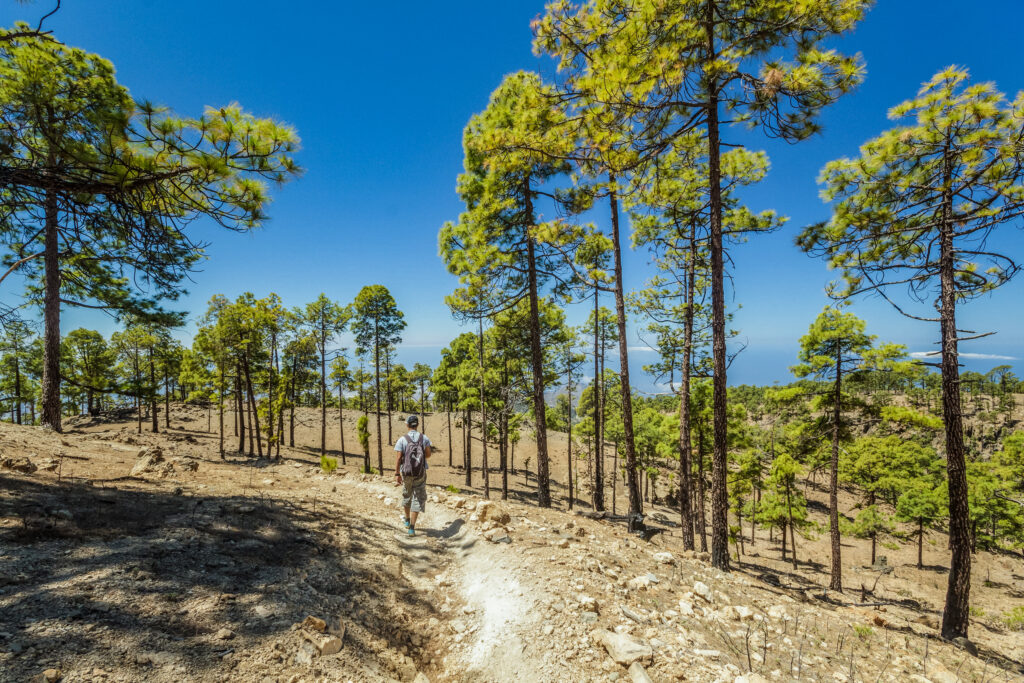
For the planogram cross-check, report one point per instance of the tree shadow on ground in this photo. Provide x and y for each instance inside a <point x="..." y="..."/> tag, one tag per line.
<point x="87" y="570"/>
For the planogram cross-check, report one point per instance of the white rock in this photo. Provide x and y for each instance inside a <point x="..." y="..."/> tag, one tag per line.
<point x="743" y="613"/>
<point x="686" y="608"/>
<point x="497" y="535"/>
<point x="708" y="654"/>
<point x="701" y="589"/>
<point x="638" y="674"/>
<point x="664" y="558"/>
<point x="622" y="648"/>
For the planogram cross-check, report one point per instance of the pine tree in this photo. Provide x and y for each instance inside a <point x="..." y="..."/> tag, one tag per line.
<point x="652" y="71"/>
<point x="325" y="320"/>
<point x="511" y="150"/>
<point x="835" y="350"/>
<point x="116" y="183"/>
<point x="377" y="324"/>
<point x="916" y="210"/>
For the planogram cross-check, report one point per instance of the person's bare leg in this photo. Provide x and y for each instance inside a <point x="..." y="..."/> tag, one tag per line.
<point x="412" y="517"/>
<point x="407" y="512"/>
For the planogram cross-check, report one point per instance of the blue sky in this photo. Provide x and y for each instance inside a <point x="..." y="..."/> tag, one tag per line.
<point x="380" y="94"/>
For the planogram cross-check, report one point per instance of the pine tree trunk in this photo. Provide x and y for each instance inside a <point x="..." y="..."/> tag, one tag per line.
<point x="504" y="457"/>
<point x="920" y="544"/>
<point x="50" y="386"/>
<point x="154" y="418"/>
<point x="792" y="529"/>
<point x="17" y="390"/>
<point x="836" y="580"/>
<point x="955" y="616"/>
<point x="719" y="492"/>
<point x="167" y="403"/>
<point x="568" y="423"/>
<point x="702" y="521"/>
<point x="254" y="422"/>
<point x="449" y="434"/>
<point x="467" y="430"/>
<point x="636" y="507"/>
<point x="376" y="385"/>
<point x="483" y="409"/>
<point x="220" y="412"/>
<point x="323" y="393"/>
<point x="685" y="446"/>
<point x="537" y="364"/>
<point x="390" y="396"/>
<point x="598" y="409"/>
<point x="239" y="408"/>
<point x="291" y="405"/>
<point x="341" y="422"/>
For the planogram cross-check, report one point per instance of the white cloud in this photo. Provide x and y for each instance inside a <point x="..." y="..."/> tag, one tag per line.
<point x="974" y="356"/>
<point x="643" y="349"/>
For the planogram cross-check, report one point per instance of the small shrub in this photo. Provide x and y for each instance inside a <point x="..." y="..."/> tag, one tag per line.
<point x="328" y="465"/>
<point x="452" y="488"/>
<point x="1014" y="619"/>
<point x="976" y="612"/>
<point x="368" y="470"/>
<point x="863" y="631"/>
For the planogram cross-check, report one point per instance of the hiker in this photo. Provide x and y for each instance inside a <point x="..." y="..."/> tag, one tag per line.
<point x="411" y="472"/>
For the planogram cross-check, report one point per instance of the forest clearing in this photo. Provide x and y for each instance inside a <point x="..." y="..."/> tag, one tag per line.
<point x="655" y="340"/>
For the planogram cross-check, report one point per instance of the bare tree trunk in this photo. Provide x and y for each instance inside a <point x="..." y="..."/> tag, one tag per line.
<point x="255" y="421"/>
<point x="636" y="507"/>
<point x="537" y="367"/>
<point x="152" y="392"/>
<point x="483" y="409"/>
<point x="836" y="582"/>
<point x="685" y="446"/>
<point x="376" y="384"/>
<point x="50" y="386"/>
<point x="240" y="408"/>
<point x="220" y="411"/>
<point x="341" y="422"/>
<point x="449" y="433"/>
<point x="467" y="431"/>
<point x="702" y="521"/>
<point x="568" y="423"/>
<point x="598" y="408"/>
<point x="955" y="616"/>
<point x="719" y="492"/>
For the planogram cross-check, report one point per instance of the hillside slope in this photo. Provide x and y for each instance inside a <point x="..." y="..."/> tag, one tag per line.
<point x="183" y="566"/>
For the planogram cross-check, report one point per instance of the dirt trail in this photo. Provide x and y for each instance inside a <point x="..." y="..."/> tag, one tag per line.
<point x="495" y="605"/>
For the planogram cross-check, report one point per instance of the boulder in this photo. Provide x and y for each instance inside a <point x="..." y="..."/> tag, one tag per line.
<point x="664" y="558"/>
<point x="224" y="634"/>
<point x="624" y="649"/>
<point x="701" y="590"/>
<point x="150" y="461"/>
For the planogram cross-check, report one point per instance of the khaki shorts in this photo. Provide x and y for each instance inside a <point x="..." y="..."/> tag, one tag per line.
<point x="414" y="493"/>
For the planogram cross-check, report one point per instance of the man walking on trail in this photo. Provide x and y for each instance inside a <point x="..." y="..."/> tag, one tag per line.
<point x="411" y="472"/>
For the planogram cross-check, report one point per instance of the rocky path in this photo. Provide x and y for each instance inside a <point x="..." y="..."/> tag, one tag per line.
<point x="486" y="594"/>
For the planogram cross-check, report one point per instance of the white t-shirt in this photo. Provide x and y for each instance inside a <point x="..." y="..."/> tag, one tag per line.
<point x="400" y="444"/>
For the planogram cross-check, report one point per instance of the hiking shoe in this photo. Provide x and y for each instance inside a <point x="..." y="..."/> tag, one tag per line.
<point x="412" y="531"/>
<point x="406" y="521"/>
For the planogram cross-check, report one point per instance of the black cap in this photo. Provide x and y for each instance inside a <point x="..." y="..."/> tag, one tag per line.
<point x="412" y="420"/>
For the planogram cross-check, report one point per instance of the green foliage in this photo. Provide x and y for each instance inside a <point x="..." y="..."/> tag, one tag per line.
<point x="327" y="464"/>
<point x="452" y="488"/>
<point x="363" y="433"/>
<point x="1014" y="618"/>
